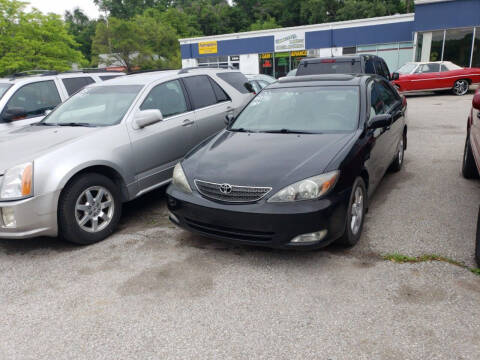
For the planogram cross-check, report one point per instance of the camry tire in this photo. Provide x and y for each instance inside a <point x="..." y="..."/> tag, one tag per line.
<point x="469" y="167"/>
<point x="398" y="160"/>
<point x="355" y="214"/>
<point x="89" y="209"/>
<point x="461" y="87"/>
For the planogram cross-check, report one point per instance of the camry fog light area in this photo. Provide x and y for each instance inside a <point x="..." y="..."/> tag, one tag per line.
<point x="8" y="217"/>
<point x="312" y="237"/>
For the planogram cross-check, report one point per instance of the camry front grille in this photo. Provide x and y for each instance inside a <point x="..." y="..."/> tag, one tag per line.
<point x="231" y="193"/>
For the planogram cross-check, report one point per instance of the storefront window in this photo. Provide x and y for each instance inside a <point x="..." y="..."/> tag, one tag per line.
<point x="418" y="54"/>
<point x="282" y="64"/>
<point x="266" y="64"/>
<point x="458" y="46"/>
<point x="437" y="46"/>
<point x="296" y="57"/>
<point x="476" y="49"/>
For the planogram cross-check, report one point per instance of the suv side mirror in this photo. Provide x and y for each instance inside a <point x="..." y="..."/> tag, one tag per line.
<point x="229" y="119"/>
<point x="395" y="76"/>
<point x="147" y="117"/>
<point x="476" y="100"/>
<point x="380" y="121"/>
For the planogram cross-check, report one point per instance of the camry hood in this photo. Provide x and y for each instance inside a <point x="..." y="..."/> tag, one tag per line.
<point x="261" y="159"/>
<point x="30" y="142"/>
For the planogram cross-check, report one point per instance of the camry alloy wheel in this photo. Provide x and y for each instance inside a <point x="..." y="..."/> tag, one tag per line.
<point x="461" y="87"/>
<point x="94" y="209"/>
<point x="357" y="211"/>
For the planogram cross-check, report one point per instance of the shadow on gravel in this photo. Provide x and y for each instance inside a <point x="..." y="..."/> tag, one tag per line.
<point x="42" y="245"/>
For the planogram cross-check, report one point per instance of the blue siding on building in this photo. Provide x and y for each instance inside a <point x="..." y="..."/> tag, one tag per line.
<point x="232" y="47"/>
<point x="318" y="39"/>
<point x="444" y="15"/>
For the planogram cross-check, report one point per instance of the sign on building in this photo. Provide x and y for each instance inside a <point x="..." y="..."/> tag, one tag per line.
<point x="207" y="47"/>
<point x="290" y="41"/>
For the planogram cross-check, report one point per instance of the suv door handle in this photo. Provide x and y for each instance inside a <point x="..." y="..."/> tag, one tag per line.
<point x="188" y="122"/>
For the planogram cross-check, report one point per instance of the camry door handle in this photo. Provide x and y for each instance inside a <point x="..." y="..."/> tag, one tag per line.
<point x="188" y="122"/>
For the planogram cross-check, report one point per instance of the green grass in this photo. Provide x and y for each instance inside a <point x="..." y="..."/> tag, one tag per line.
<point x="402" y="259"/>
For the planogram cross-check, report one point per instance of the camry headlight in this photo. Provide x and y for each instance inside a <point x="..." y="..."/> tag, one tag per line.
<point x="308" y="189"/>
<point x="17" y="182"/>
<point x="180" y="180"/>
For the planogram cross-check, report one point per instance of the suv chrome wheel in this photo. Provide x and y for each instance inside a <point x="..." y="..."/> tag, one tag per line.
<point x="94" y="209"/>
<point x="461" y="87"/>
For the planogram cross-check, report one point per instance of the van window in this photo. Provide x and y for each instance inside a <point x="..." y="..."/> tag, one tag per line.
<point x="74" y="84"/>
<point x="32" y="100"/>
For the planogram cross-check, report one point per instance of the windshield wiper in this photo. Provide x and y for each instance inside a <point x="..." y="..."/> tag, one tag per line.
<point x="73" y="124"/>
<point x="41" y="123"/>
<point x="241" y="130"/>
<point x="289" y="131"/>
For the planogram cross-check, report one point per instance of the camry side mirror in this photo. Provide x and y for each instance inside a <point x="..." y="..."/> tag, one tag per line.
<point x="380" y="121"/>
<point x="395" y="76"/>
<point x="476" y="100"/>
<point x="148" y="117"/>
<point x="229" y="118"/>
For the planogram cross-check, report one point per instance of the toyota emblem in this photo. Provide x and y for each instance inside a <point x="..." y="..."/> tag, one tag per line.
<point x="225" y="189"/>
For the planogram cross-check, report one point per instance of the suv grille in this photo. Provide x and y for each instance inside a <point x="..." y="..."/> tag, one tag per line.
<point x="231" y="193"/>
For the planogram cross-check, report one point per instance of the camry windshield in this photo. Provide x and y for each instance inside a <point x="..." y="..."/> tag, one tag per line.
<point x="407" y="69"/>
<point x="302" y="110"/>
<point x="3" y="88"/>
<point x="95" y="106"/>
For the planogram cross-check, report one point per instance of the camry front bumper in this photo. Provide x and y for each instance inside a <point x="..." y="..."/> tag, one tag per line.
<point x="262" y="224"/>
<point x="36" y="216"/>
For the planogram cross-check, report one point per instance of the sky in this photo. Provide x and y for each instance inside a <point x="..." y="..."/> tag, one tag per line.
<point x="59" y="6"/>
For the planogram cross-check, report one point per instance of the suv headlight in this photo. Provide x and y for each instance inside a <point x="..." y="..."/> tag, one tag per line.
<point x="17" y="182"/>
<point x="308" y="189"/>
<point x="180" y="180"/>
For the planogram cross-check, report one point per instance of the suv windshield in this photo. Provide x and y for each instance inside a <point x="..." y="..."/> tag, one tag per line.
<point x="95" y="106"/>
<point x="302" y="110"/>
<point x="330" y="66"/>
<point x="3" y="88"/>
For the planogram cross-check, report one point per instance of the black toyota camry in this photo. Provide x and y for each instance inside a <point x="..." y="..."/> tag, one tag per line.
<point x="297" y="166"/>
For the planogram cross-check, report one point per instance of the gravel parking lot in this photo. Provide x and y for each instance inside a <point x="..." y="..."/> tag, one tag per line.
<point x="155" y="292"/>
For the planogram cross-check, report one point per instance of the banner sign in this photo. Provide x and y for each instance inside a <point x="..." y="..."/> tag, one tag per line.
<point x="290" y="41"/>
<point x="299" y="53"/>
<point x="207" y="47"/>
<point x="266" y="56"/>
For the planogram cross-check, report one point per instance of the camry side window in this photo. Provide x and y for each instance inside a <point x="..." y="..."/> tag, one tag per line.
<point x="168" y="98"/>
<point x="32" y="100"/>
<point x="386" y="95"/>
<point x="200" y="90"/>
<point x="377" y="106"/>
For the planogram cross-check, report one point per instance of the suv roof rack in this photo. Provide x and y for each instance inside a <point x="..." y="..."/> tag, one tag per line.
<point x="148" y="71"/>
<point x="91" y="70"/>
<point x="34" y="72"/>
<point x="186" y="70"/>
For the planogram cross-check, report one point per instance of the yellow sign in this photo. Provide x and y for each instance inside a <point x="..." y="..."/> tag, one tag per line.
<point x="299" y="53"/>
<point x="207" y="47"/>
<point x="266" y="56"/>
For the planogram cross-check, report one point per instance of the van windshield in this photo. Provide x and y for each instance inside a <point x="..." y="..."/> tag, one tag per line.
<point x="330" y="66"/>
<point x="309" y="110"/>
<point x="95" y="106"/>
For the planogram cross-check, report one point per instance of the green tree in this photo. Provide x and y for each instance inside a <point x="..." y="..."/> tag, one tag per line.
<point x="31" y="40"/>
<point x="269" y="23"/>
<point x="82" y="29"/>
<point x="142" y="42"/>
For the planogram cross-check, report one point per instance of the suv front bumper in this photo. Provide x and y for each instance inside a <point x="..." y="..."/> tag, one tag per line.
<point x="35" y="216"/>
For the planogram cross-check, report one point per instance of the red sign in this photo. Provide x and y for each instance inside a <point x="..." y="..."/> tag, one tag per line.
<point x="267" y="64"/>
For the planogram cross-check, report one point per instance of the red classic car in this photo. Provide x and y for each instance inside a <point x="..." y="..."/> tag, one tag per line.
<point x="471" y="156"/>
<point x="432" y="76"/>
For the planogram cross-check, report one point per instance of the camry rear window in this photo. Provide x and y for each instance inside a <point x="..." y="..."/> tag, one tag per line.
<point x="235" y="79"/>
<point x="330" y="66"/>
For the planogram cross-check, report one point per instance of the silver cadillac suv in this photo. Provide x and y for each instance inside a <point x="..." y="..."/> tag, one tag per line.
<point x="69" y="174"/>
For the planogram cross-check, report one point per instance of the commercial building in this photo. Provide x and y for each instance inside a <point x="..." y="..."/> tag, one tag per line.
<point x="438" y="30"/>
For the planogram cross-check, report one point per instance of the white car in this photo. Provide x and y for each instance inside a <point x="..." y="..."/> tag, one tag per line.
<point x="25" y="98"/>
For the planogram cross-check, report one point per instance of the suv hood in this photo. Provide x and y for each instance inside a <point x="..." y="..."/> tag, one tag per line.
<point x="262" y="159"/>
<point x="30" y="142"/>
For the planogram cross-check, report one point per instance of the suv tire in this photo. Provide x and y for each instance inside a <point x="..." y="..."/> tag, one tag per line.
<point x="89" y="209"/>
<point x="469" y="167"/>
